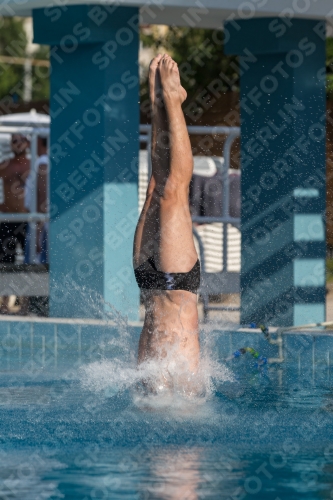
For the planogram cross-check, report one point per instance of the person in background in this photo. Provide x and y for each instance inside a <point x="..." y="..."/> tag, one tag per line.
<point x="207" y="192"/>
<point x="13" y="174"/>
<point x="43" y="203"/>
<point x="36" y="199"/>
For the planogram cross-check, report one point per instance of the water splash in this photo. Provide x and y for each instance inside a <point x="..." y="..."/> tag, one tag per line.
<point x="160" y="382"/>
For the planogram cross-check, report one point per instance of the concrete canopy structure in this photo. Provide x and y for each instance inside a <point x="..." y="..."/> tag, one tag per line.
<point x="94" y="145"/>
<point x="283" y="117"/>
<point x="192" y="13"/>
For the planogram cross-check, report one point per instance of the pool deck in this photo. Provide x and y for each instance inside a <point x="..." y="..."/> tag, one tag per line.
<point x="65" y="321"/>
<point x="222" y="323"/>
<point x="225" y="319"/>
<point x="35" y="343"/>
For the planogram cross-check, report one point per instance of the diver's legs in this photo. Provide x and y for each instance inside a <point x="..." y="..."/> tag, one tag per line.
<point x="147" y="231"/>
<point x="176" y="252"/>
<point x="165" y="226"/>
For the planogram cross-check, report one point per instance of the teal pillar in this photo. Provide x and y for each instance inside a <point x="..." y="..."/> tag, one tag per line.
<point x="283" y="108"/>
<point x="94" y="157"/>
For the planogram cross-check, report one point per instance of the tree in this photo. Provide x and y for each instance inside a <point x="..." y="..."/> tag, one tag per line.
<point x="329" y="67"/>
<point x="199" y="54"/>
<point x="201" y="59"/>
<point x="41" y="75"/>
<point x="13" y="42"/>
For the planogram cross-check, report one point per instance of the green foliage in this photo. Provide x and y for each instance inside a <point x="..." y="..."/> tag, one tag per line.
<point x="329" y="54"/>
<point x="329" y="67"/>
<point x="13" y="43"/>
<point x="41" y="75"/>
<point x="201" y="50"/>
<point x="13" y="40"/>
<point x="329" y="270"/>
<point x="199" y="54"/>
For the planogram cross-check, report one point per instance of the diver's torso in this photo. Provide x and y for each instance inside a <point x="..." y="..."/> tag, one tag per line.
<point x="171" y="312"/>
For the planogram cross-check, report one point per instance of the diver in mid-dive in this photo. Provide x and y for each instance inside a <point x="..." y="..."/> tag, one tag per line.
<point x="165" y="260"/>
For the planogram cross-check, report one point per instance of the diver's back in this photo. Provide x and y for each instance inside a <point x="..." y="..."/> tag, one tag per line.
<point x="171" y="324"/>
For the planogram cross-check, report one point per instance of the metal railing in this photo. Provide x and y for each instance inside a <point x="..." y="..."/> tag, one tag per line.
<point x="32" y="217"/>
<point x="24" y="217"/>
<point x="213" y="283"/>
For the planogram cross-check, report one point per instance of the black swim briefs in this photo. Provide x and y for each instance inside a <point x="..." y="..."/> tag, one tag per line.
<point x="148" y="277"/>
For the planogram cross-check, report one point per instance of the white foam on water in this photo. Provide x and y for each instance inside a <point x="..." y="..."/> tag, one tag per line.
<point x="158" y="383"/>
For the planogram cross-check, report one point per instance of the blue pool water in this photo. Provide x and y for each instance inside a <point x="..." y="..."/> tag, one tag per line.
<point x="75" y="424"/>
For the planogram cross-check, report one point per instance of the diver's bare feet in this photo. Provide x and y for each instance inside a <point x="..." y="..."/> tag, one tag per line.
<point x="155" y="88"/>
<point x="170" y="79"/>
<point x="183" y="94"/>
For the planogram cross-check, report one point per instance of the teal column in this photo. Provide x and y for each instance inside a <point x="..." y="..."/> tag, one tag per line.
<point x="283" y="108"/>
<point x="94" y="157"/>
